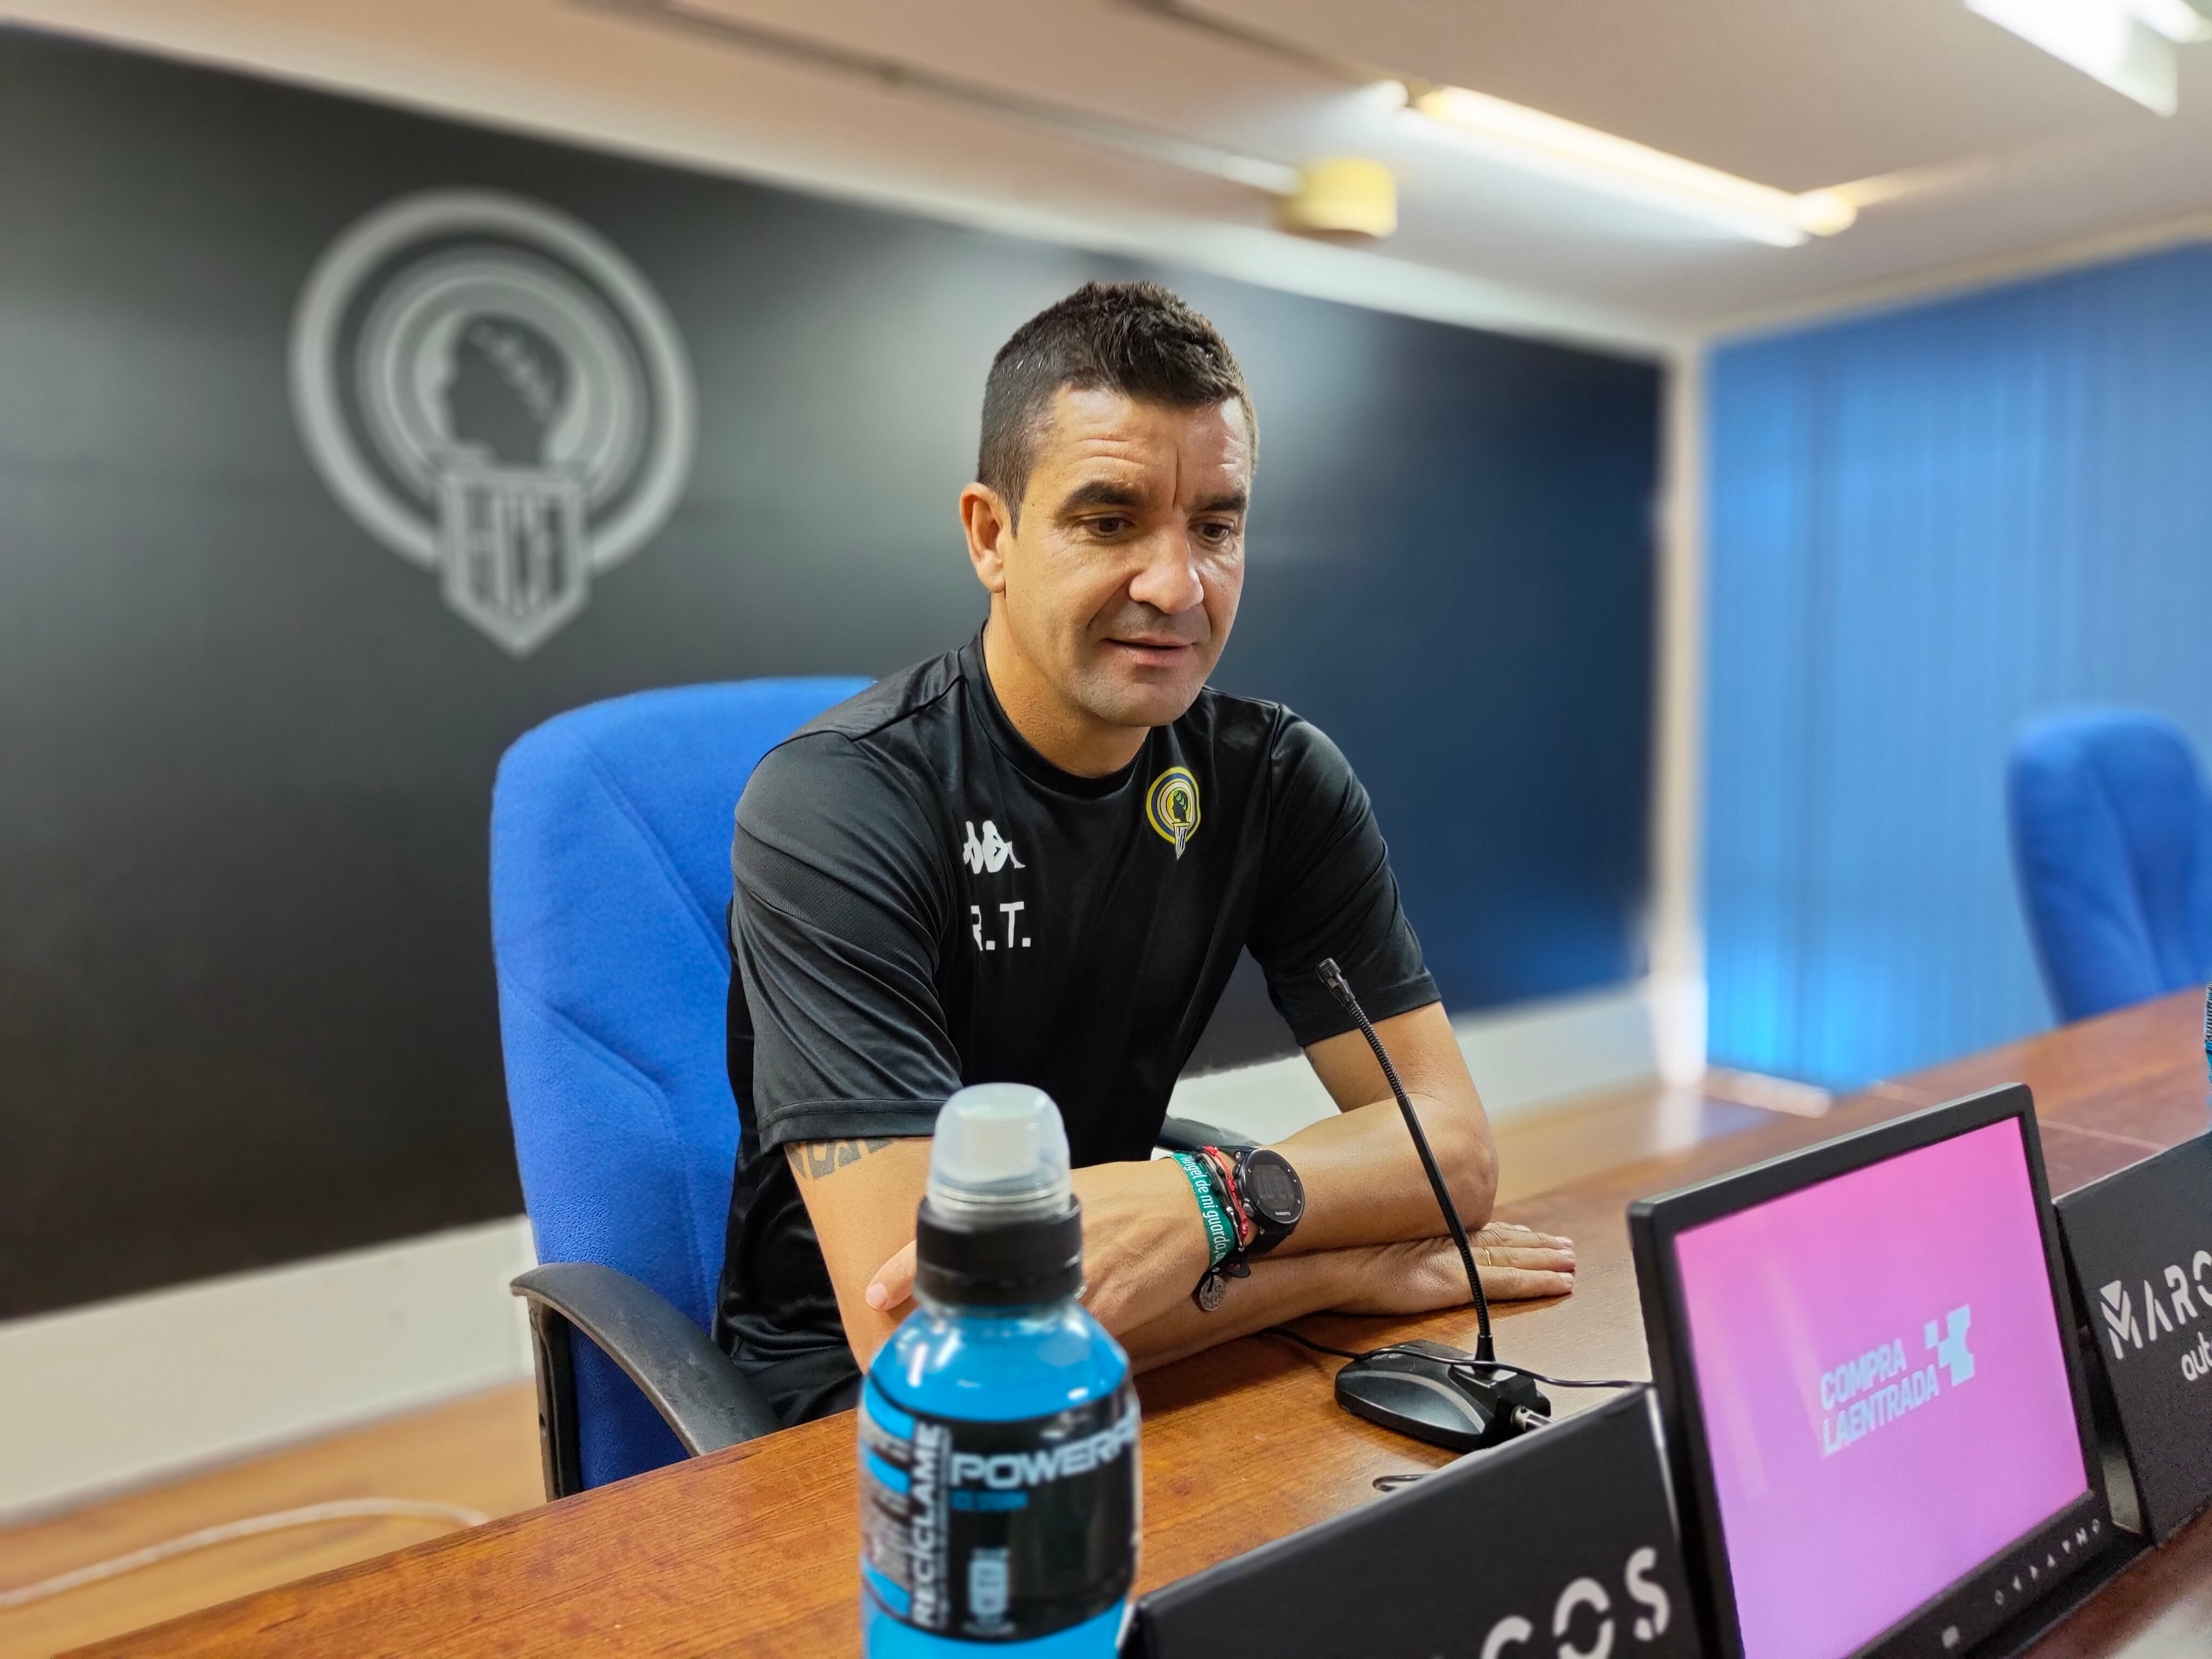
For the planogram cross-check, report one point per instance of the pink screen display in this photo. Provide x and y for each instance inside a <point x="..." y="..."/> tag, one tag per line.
<point x="1884" y="1391"/>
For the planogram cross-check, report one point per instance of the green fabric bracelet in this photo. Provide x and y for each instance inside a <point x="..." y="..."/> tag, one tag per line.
<point x="1220" y="1236"/>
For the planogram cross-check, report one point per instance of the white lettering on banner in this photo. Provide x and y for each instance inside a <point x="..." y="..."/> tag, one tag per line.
<point x="2120" y="1309"/>
<point x="2155" y="1318"/>
<point x="2176" y="1284"/>
<point x="1647" y="1595"/>
<point x="2116" y="1302"/>
<point x="1583" y="1592"/>
<point x="1514" y="1630"/>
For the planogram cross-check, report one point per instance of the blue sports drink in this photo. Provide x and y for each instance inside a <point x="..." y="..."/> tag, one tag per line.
<point x="998" y="1489"/>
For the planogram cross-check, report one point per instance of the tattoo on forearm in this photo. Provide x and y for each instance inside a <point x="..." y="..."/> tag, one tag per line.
<point x="810" y="1160"/>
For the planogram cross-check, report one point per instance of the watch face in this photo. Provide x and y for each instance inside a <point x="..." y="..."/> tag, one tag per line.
<point x="1275" y="1188"/>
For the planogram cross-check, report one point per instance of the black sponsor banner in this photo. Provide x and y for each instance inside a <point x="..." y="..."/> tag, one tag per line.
<point x="340" y="445"/>
<point x="2140" y="1246"/>
<point x="1560" y="1542"/>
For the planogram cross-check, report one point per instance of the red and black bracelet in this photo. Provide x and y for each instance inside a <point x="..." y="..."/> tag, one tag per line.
<point x="1221" y="1162"/>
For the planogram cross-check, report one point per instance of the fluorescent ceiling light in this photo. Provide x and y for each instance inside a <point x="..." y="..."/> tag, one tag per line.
<point x="1526" y="137"/>
<point x="2179" y="20"/>
<point x="2126" y="44"/>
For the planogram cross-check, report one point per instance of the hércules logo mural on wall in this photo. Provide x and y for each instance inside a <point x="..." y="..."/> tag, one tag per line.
<point x="493" y="392"/>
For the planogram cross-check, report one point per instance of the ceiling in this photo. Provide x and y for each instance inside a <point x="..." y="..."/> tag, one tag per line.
<point x="1019" y="112"/>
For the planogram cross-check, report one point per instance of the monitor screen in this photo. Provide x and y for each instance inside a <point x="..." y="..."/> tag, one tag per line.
<point x="1886" y="1399"/>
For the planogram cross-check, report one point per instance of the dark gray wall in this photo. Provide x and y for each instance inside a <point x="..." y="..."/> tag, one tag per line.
<point x="246" y="996"/>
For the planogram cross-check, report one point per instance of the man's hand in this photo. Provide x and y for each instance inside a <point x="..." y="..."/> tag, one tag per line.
<point x="1143" y="1245"/>
<point x="1424" y="1274"/>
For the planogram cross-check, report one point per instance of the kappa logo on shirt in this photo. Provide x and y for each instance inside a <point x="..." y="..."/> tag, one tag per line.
<point x="994" y="852"/>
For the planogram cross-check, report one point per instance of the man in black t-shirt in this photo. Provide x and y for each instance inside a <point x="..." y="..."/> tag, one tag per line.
<point x="1036" y="859"/>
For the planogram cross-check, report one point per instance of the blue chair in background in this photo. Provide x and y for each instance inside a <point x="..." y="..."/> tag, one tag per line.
<point x="2111" y="836"/>
<point x="610" y="884"/>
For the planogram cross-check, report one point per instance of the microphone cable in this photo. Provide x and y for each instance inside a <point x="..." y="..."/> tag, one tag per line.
<point x="1472" y="1365"/>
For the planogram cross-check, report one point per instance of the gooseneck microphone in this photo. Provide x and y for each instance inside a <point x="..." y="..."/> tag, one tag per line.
<point x="1421" y="1389"/>
<point x="1340" y="988"/>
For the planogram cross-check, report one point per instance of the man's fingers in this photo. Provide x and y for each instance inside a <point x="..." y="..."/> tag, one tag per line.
<point x="1545" y="1258"/>
<point x="893" y="1283"/>
<point x="1519" y="1264"/>
<point x="1512" y="1232"/>
<point x="1524" y="1284"/>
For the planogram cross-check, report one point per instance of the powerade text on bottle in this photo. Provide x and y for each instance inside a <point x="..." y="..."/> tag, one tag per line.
<point x="999" y="1426"/>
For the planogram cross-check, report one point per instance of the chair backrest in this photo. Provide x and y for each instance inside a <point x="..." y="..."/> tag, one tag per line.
<point x="2111" y="833"/>
<point x="610" y="833"/>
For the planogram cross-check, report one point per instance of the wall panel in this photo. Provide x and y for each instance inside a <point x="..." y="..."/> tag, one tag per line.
<point x="1927" y="526"/>
<point x="246" y="749"/>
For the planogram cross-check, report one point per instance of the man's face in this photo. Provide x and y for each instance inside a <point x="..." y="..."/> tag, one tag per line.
<point x="1121" y="582"/>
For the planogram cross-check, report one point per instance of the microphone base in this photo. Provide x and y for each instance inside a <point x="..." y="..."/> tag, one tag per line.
<point x="1414" y="1389"/>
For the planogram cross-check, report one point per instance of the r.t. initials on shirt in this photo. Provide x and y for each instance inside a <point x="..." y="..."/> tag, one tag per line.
<point x="1012" y="911"/>
<point x="989" y="855"/>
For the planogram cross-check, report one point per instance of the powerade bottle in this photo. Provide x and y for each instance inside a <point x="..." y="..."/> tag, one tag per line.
<point x="999" y="1493"/>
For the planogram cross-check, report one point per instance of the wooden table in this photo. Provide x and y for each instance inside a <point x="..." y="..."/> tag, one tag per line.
<point x="753" y="1549"/>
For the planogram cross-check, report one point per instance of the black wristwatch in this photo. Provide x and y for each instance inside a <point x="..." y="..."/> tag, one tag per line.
<point x="1270" y="1192"/>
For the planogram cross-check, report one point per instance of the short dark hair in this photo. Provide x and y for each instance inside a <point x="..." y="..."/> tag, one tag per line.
<point x="1135" y="338"/>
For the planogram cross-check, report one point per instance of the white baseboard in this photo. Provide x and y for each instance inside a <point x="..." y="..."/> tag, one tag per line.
<point x="123" y="1393"/>
<point x="1523" y="1058"/>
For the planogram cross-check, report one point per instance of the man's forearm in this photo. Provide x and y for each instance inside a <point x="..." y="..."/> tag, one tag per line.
<point x="1279" y="1288"/>
<point x="1364" y="1180"/>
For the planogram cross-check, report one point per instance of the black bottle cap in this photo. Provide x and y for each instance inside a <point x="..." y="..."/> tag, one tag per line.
<point x="1006" y="1264"/>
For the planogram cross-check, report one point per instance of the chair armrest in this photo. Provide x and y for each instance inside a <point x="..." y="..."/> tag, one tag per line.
<point x="705" y="1400"/>
<point x="1188" y="1134"/>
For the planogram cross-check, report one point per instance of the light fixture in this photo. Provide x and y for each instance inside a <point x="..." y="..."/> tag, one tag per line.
<point x="1525" y="137"/>
<point x="2126" y="44"/>
<point x="1342" y="196"/>
<point x="2179" y="20"/>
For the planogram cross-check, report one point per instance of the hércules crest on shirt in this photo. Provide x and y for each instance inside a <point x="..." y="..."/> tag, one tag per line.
<point x="1171" y="806"/>
<point x="493" y="392"/>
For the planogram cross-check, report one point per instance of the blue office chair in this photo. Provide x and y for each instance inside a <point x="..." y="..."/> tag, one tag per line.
<point x="610" y="888"/>
<point x="2111" y="835"/>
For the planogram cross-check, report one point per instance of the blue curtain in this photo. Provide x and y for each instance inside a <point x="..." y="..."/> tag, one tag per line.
<point x="1925" y="526"/>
